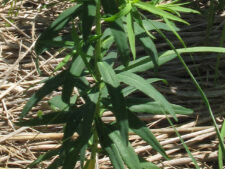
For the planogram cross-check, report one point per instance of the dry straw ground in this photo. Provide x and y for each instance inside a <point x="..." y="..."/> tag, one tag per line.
<point x="19" y="78"/>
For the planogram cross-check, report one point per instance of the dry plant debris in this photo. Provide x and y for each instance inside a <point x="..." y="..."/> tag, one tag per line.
<point x="19" y="78"/>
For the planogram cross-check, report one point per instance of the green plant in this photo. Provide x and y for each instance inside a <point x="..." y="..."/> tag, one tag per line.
<point x="115" y="77"/>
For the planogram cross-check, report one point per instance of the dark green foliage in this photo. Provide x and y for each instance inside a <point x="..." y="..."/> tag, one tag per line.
<point x="114" y="82"/>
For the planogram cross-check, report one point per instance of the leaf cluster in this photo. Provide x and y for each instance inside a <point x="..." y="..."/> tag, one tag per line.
<point x="102" y="44"/>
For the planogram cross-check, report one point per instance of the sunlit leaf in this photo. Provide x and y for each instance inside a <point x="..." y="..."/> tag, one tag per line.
<point x="121" y="13"/>
<point x="131" y="35"/>
<point x="153" y="9"/>
<point x="144" y="105"/>
<point x="142" y="85"/>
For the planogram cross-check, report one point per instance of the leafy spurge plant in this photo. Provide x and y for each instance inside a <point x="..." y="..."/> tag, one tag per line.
<point x="102" y="44"/>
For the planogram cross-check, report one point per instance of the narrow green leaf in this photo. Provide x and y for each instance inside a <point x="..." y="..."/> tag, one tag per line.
<point x="57" y="103"/>
<point x="81" y="51"/>
<point x="77" y="66"/>
<point x="142" y="105"/>
<point x="55" y="27"/>
<point x="147" y="165"/>
<point x="87" y="17"/>
<point x="200" y="49"/>
<point x="55" y="164"/>
<point x="72" y="148"/>
<point x="120" y="38"/>
<point x="117" y="99"/>
<point x="70" y="154"/>
<point x="50" y="118"/>
<point x="153" y="9"/>
<point x="67" y="90"/>
<point x="59" y="41"/>
<point x="108" y="145"/>
<point x="148" y="24"/>
<point x="65" y="60"/>
<point x="128" y="90"/>
<point x="139" y="128"/>
<point x="131" y="35"/>
<point x="118" y="32"/>
<point x="110" y="58"/>
<point x="142" y="85"/>
<point x="106" y="44"/>
<point x="147" y="43"/>
<point x="108" y="75"/>
<point x="137" y="17"/>
<point x="44" y="157"/>
<point x="221" y="156"/>
<point x="69" y="83"/>
<point x="73" y="121"/>
<point x="126" y="151"/>
<point x="82" y="155"/>
<point x="145" y="63"/>
<point x="49" y="86"/>
<point x="169" y="23"/>
<point x="179" y="8"/>
<point x="120" y="14"/>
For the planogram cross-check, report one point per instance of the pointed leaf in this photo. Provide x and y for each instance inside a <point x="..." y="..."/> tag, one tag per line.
<point x="147" y="43"/>
<point x="139" y="128"/>
<point x="179" y="8"/>
<point x="195" y="50"/>
<point x="148" y="24"/>
<point x="145" y="63"/>
<point x="73" y="148"/>
<point x="118" y="32"/>
<point x="65" y="60"/>
<point x="50" y="118"/>
<point x="108" y="145"/>
<point x="157" y="11"/>
<point x="117" y="99"/>
<point x="128" y="90"/>
<point x="121" y="13"/>
<point x="44" y="157"/>
<point x="49" y="86"/>
<point x="57" y="103"/>
<point x="142" y="85"/>
<point x="126" y="151"/>
<point x="142" y="105"/>
<point x="55" y="27"/>
<point x="131" y="35"/>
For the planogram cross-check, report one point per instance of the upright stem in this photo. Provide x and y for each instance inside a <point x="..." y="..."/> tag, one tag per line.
<point x="98" y="56"/>
<point x="98" y="77"/>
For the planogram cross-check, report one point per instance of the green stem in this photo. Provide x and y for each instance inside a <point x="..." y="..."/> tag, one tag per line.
<point x="98" y="56"/>
<point x="95" y="143"/>
<point x="95" y="137"/>
<point x="204" y="98"/>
